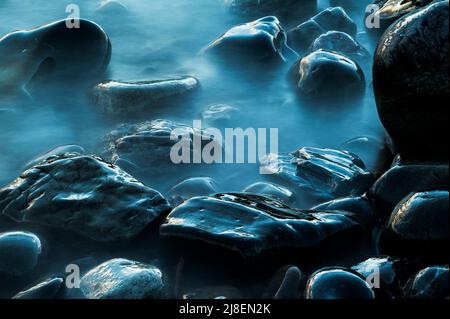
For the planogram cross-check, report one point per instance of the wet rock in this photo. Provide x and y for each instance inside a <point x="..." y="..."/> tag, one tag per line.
<point x="191" y="187"/>
<point x="123" y="279"/>
<point x="381" y="272"/>
<point x="322" y="174"/>
<point x="219" y="112"/>
<point x="258" y="41"/>
<point x="147" y="146"/>
<point x="359" y="206"/>
<point x="289" y="288"/>
<point x="337" y="284"/>
<point x="122" y="98"/>
<point x="330" y="19"/>
<point x="342" y="44"/>
<point x="402" y="180"/>
<point x="389" y="11"/>
<point x="405" y="83"/>
<point x="324" y="75"/>
<point x="19" y="252"/>
<point x="252" y="225"/>
<point x="214" y="292"/>
<point x="52" y="54"/>
<point x="419" y="227"/>
<point x="429" y="283"/>
<point x="374" y="153"/>
<point x="48" y="289"/>
<point x="57" y="151"/>
<point x="271" y="190"/>
<point x="83" y="194"/>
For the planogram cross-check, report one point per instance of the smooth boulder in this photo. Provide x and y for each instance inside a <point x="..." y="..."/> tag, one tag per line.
<point x="51" y="288"/>
<point x="191" y="187"/>
<point x="412" y="90"/>
<point x="429" y="283"/>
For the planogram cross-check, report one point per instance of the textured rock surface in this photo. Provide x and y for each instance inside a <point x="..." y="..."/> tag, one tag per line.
<point x="147" y="145"/>
<point x="330" y="19"/>
<point x="324" y="75"/>
<point x="57" y="151"/>
<point x="191" y="187"/>
<point x="257" y="41"/>
<point x="337" y="284"/>
<point x="19" y="252"/>
<point x="402" y="180"/>
<point x="324" y="174"/>
<point x="125" y="98"/>
<point x="412" y="90"/>
<point x="274" y="191"/>
<point x="429" y="283"/>
<point x="252" y="225"/>
<point x="83" y="194"/>
<point x="123" y="279"/>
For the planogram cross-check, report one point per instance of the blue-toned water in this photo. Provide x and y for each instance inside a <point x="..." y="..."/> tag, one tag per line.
<point x="159" y="39"/>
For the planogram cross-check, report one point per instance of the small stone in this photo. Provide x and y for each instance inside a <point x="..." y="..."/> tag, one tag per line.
<point x="330" y="19"/>
<point x="123" y="279"/>
<point x="125" y="98"/>
<point x="327" y="76"/>
<point x="289" y="288"/>
<point x="258" y="41"/>
<point x="191" y="187"/>
<point x="19" y="252"/>
<point x="337" y="284"/>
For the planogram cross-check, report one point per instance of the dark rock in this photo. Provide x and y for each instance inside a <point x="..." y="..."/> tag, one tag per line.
<point x="375" y="153"/>
<point x="337" y="284"/>
<point x="125" y="98"/>
<point x="342" y="44"/>
<point x="48" y="289"/>
<point x="322" y="174"/>
<point x="148" y="145"/>
<point x="419" y="228"/>
<point x="123" y="279"/>
<point x="412" y="90"/>
<point x="330" y="19"/>
<point x="83" y="194"/>
<point x="54" y="54"/>
<point x="391" y="10"/>
<point x="19" y="252"/>
<point x="429" y="283"/>
<point x="359" y="206"/>
<point x="289" y="288"/>
<point x="191" y="187"/>
<point x="329" y="76"/>
<point x="258" y="41"/>
<point x="274" y="191"/>
<point x="252" y="225"/>
<point x="56" y="152"/>
<point x="402" y="180"/>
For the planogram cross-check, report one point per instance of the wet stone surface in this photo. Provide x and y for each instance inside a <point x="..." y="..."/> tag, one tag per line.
<point x="323" y="174"/>
<point x="123" y="279"/>
<point x="48" y="289"/>
<point x="429" y="283"/>
<point x="83" y="194"/>
<point x="19" y="252"/>
<point x="252" y="225"/>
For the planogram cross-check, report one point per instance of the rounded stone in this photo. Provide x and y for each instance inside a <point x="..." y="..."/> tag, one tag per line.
<point x="19" y="252"/>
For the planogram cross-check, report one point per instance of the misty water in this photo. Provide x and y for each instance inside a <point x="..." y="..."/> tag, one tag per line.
<point x="162" y="39"/>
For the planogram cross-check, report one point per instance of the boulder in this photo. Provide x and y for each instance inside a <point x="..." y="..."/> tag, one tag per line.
<point x="19" y="252"/>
